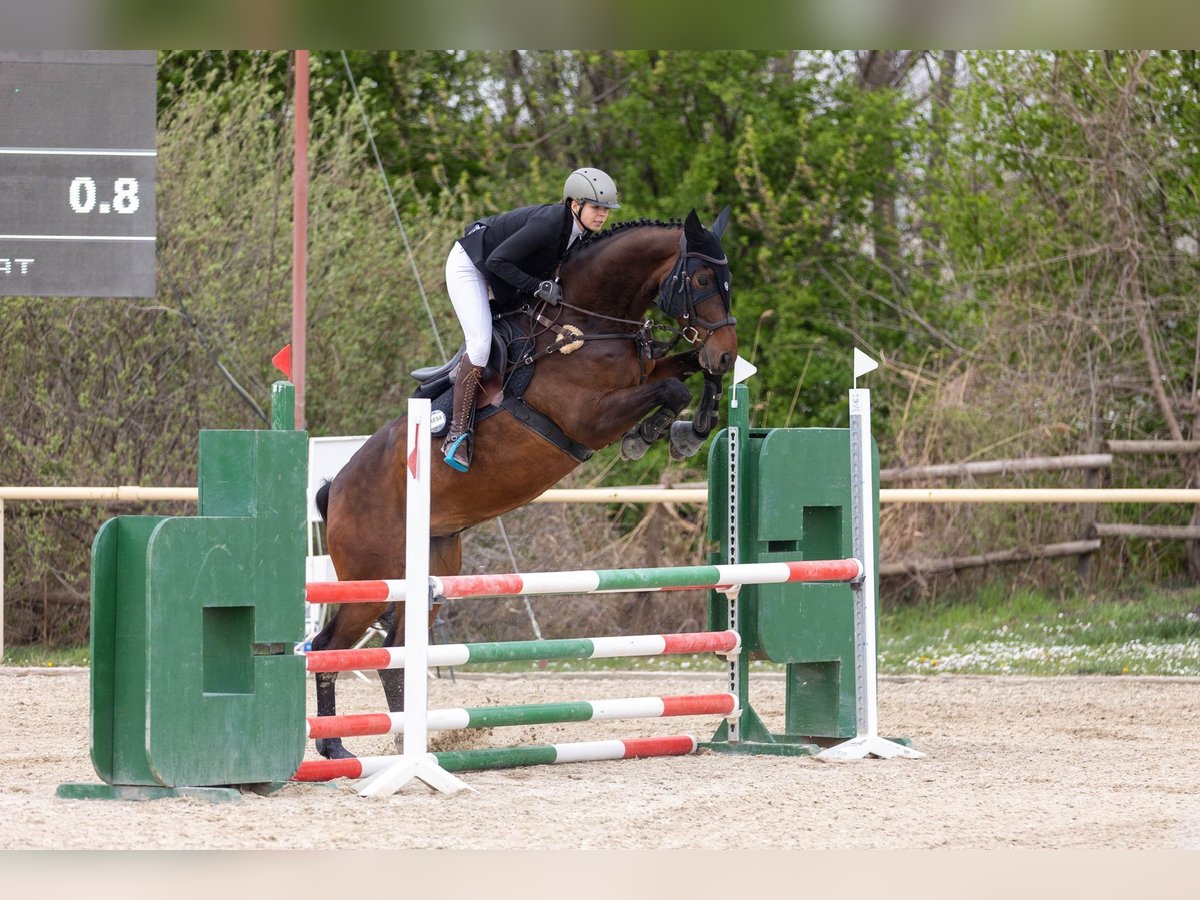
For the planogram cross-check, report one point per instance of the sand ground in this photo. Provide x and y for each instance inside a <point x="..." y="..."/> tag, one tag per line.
<point x="1065" y="763"/>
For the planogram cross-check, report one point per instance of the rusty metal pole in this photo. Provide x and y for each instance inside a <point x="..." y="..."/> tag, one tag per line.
<point x="300" y="234"/>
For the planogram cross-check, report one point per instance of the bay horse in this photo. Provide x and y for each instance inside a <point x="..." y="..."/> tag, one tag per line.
<point x="598" y="377"/>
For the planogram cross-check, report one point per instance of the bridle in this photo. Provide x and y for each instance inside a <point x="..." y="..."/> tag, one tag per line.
<point x="677" y="298"/>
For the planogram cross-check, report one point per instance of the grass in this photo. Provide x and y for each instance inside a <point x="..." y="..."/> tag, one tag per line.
<point x="994" y="633"/>
<point x="43" y="657"/>
<point x="1156" y="633"/>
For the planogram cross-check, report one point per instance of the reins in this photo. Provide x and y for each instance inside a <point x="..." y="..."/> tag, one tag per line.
<point x="675" y="298"/>
<point x="570" y="338"/>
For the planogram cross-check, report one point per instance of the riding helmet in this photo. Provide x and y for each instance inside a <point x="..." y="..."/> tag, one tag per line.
<point x="592" y="186"/>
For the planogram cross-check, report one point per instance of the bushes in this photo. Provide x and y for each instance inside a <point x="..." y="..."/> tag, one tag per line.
<point x="1017" y="244"/>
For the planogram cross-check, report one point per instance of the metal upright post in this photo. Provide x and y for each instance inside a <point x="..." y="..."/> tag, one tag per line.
<point x="739" y="427"/>
<point x="867" y="742"/>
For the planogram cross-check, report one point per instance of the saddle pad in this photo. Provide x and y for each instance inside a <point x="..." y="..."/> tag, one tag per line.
<point x="440" y="406"/>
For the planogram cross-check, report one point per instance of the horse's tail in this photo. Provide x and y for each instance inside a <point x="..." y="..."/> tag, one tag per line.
<point x="322" y="499"/>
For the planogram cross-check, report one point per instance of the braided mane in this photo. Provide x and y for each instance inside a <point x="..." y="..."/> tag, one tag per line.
<point x="586" y="242"/>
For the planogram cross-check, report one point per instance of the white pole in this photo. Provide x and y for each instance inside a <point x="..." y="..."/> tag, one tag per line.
<point x="867" y="713"/>
<point x="416" y="761"/>
<point x="416" y="565"/>
<point x="862" y="490"/>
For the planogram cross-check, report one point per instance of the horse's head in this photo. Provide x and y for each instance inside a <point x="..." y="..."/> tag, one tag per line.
<point x="697" y="293"/>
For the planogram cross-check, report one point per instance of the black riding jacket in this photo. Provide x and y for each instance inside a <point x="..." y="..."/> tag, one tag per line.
<point x="517" y="250"/>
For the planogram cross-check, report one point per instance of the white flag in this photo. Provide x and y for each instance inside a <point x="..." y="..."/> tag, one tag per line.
<point x="743" y="369"/>
<point x="863" y="364"/>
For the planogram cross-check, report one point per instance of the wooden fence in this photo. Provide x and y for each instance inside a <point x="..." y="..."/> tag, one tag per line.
<point x="1089" y="496"/>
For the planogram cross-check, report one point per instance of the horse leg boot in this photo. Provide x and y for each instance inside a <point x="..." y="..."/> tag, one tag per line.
<point x="330" y="748"/>
<point x="456" y="448"/>
<point x="393" y="690"/>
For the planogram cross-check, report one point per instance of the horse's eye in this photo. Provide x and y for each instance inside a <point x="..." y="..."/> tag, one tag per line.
<point x="703" y="280"/>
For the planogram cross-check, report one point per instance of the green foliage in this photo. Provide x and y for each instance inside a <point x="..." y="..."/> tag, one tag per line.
<point x="1012" y="233"/>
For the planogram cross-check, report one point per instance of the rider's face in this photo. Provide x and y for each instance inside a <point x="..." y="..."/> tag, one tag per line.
<point x="591" y="215"/>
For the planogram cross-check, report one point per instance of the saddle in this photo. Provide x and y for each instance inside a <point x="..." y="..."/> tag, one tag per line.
<point x="436" y="383"/>
<point x="500" y="389"/>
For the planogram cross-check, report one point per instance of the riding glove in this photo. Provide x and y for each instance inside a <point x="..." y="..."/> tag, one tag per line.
<point x="549" y="291"/>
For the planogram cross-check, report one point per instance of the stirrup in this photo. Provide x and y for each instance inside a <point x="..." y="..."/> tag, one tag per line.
<point x="453" y="448"/>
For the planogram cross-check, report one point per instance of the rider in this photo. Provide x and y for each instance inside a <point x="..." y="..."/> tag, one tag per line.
<point x="497" y="261"/>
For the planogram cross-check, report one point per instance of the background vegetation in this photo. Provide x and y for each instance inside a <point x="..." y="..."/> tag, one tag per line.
<point x="1013" y="234"/>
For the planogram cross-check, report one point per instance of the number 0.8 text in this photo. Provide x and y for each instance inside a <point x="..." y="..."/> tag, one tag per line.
<point x="82" y="196"/>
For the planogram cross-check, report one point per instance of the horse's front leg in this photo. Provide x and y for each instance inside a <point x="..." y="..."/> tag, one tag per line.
<point x="687" y="437"/>
<point x="671" y="396"/>
<point x="347" y="626"/>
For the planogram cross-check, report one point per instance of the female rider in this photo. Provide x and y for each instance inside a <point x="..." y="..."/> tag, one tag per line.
<point x="497" y="261"/>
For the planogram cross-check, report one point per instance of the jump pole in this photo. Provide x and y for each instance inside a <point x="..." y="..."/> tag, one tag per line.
<point x="591" y="581"/>
<point x="528" y="714"/>
<point x="506" y="757"/>
<point x="725" y="643"/>
<point x="416" y="761"/>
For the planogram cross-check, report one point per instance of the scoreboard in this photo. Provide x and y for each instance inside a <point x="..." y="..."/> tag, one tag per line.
<point x="77" y="173"/>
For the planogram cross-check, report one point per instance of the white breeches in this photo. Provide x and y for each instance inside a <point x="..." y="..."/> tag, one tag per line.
<point x="469" y="295"/>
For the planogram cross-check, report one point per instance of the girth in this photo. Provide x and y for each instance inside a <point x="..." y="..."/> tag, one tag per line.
<point x="542" y="425"/>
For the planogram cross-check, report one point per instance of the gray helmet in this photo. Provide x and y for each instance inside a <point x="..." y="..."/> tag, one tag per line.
<point x="593" y="186"/>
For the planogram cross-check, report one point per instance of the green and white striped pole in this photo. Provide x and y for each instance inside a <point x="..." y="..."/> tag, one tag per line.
<point x="505" y="757"/>
<point x="591" y="581"/>
<point x="526" y="714"/>
<point x="724" y="643"/>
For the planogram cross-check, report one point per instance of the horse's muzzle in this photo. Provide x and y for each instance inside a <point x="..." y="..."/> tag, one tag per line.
<point x="717" y="355"/>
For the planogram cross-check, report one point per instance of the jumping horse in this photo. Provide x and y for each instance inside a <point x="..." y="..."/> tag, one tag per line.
<point x="598" y="376"/>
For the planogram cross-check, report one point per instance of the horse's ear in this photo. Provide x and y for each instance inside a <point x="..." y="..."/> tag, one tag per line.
<point x="692" y="228"/>
<point x="722" y="222"/>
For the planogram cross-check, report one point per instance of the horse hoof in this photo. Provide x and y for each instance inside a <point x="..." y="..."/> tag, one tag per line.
<point x="331" y="748"/>
<point x="685" y="441"/>
<point x="633" y="446"/>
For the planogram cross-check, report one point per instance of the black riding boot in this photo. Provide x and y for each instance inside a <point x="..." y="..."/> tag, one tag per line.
<point x="459" y="438"/>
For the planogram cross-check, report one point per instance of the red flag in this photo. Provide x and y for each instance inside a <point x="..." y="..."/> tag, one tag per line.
<point x="412" y="457"/>
<point x="283" y="361"/>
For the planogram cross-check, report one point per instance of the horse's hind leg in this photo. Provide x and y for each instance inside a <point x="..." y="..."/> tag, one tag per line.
<point x="349" y="624"/>
<point x="445" y="558"/>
